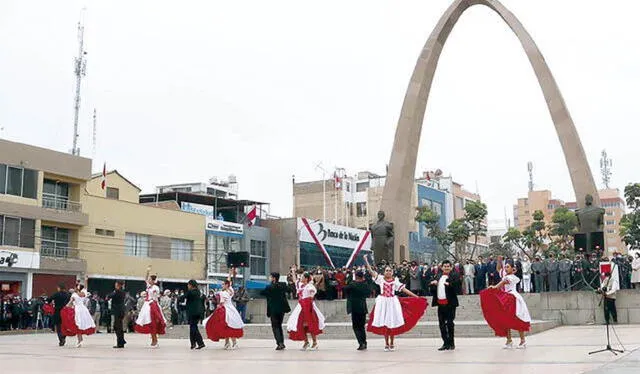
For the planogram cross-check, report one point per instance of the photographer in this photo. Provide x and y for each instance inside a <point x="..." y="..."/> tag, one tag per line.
<point x="610" y="286"/>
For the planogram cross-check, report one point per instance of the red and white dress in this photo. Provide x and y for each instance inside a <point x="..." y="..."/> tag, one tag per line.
<point x="150" y="318"/>
<point x="225" y="321"/>
<point x="505" y="310"/>
<point x="305" y="315"/>
<point x="76" y="319"/>
<point x="392" y="315"/>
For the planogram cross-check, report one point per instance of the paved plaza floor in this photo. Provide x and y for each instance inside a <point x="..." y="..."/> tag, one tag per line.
<point x="561" y="350"/>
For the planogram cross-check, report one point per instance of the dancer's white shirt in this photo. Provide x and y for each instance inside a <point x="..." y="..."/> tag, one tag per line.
<point x="522" y="312"/>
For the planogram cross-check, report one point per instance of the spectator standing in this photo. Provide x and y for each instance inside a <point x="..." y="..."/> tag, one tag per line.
<point x="538" y="269"/>
<point x="241" y="298"/>
<point x="481" y="274"/>
<point x="492" y="268"/>
<point x="469" y="277"/>
<point x="526" y="274"/>
<point x="635" y="276"/>
<point x="165" y="306"/>
<point x="415" y="285"/>
<point x="564" y="267"/>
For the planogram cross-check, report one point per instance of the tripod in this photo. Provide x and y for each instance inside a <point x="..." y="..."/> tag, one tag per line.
<point x="608" y="347"/>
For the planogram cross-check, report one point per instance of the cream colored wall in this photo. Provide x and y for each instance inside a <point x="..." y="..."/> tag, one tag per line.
<point x="106" y="255"/>
<point x="128" y="192"/>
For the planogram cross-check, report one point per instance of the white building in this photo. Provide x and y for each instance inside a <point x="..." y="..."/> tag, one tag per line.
<point x="225" y="189"/>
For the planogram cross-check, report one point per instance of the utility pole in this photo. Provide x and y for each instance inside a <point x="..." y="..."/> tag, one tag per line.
<point x="605" y="168"/>
<point x="80" y="70"/>
<point x="530" y="170"/>
<point x="324" y="191"/>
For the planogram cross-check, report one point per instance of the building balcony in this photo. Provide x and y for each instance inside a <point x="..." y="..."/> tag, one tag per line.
<point x="61" y="259"/>
<point x="57" y="203"/>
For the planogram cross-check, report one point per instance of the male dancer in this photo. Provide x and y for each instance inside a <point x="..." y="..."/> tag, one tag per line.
<point x="117" y="297"/>
<point x="60" y="299"/>
<point x="195" y="313"/>
<point x="277" y="306"/>
<point x="445" y="291"/>
<point x="357" y="293"/>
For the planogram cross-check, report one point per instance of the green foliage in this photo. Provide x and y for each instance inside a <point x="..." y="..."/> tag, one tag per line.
<point x="630" y="222"/>
<point x="474" y="217"/>
<point x="565" y="224"/>
<point x="432" y="224"/>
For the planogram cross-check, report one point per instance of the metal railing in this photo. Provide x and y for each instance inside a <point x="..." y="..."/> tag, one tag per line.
<point x="50" y="201"/>
<point x="48" y="250"/>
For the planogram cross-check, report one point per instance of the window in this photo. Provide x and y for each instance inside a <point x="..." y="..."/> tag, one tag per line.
<point x="55" y="241"/>
<point x="362" y="186"/>
<point x="103" y="232"/>
<point x="113" y="193"/>
<point x="217" y="249"/>
<point x="181" y="250"/>
<point x="258" y="257"/>
<point x="18" y="181"/>
<point x="611" y="231"/>
<point x="526" y="212"/>
<point x="17" y="232"/>
<point x="610" y="223"/>
<point x="136" y="245"/>
<point x="361" y="209"/>
<point x="348" y="186"/>
<point x="459" y="203"/>
<point x="426" y="203"/>
<point x="436" y="207"/>
<point x="610" y="213"/>
<point x="55" y="195"/>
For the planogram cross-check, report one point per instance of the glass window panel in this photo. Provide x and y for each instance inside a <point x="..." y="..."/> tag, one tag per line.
<point x="49" y="187"/>
<point x="48" y="233"/>
<point x="3" y="178"/>
<point x="11" y="231"/>
<point x="62" y="236"/>
<point x="130" y="244"/>
<point x="1" y="229"/>
<point x="14" y="181"/>
<point x="27" y="233"/>
<point x="30" y="188"/>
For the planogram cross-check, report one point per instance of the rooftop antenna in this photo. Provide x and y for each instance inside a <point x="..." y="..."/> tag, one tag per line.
<point x="605" y="168"/>
<point x="94" y="132"/>
<point x="530" y="169"/>
<point x="80" y="70"/>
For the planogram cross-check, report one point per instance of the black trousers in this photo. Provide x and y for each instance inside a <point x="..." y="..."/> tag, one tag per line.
<point x="194" y="334"/>
<point x="358" y="321"/>
<point x="276" y="327"/>
<point x="610" y="310"/>
<point x="57" y="322"/>
<point x="118" y="329"/>
<point x="446" y="316"/>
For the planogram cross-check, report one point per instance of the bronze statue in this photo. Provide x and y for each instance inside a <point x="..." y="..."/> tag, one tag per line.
<point x="382" y="239"/>
<point x="590" y="218"/>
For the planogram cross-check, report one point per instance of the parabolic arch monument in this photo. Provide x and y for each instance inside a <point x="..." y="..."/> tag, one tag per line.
<point x="396" y="198"/>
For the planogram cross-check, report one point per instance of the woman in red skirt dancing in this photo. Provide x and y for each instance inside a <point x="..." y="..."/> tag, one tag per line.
<point x="76" y="319"/>
<point x="225" y="322"/>
<point x="392" y="316"/>
<point x="151" y="320"/>
<point x="506" y="310"/>
<point x="306" y="318"/>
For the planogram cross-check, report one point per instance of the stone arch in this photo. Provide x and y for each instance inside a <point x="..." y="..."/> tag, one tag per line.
<point x="396" y="198"/>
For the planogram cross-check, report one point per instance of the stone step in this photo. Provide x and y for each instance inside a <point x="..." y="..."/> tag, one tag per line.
<point x="337" y="330"/>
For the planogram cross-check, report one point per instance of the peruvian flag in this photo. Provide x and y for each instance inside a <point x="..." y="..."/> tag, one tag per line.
<point x="337" y="180"/>
<point x="103" y="185"/>
<point x="251" y="216"/>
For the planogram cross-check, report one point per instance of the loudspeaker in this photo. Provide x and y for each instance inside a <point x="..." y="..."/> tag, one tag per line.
<point x="580" y="242"/>
<point x="238" y="259"/>
<point x="597" y="241"/>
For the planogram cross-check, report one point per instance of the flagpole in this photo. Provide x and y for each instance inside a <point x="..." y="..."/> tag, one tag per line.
<point x="335" y="197"/>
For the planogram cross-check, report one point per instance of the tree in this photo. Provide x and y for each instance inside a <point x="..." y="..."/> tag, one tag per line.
<point x="474" y="216"/>
<point x="515" y="238"/>
<point x="630" y="222"/>
<point x="431" y="220"/>
<point x="458" y="232"/>
<point x="501" y="248"/>
<point x="536" y="233"/>
<point x="565" y="224"/>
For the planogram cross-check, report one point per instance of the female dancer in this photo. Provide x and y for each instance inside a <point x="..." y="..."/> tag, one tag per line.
<point x="506" y="310"/>
<point x="150" y="318"/>
<point x="225" y="322"/>
<point x="76" y="319"/>
<point x="306" y="318"/>
<point x="391" y="315"/>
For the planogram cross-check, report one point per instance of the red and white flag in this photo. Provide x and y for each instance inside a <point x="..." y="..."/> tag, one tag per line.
<point x="337" y="180"/>
<point x="251" y="216"/>
<point x="103" y="185"/>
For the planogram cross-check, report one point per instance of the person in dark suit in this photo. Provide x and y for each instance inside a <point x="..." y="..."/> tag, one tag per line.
<point x="118" y="297"/>
<point x="277" y="306"/>
<point x="445" y="289"/>
<point x="481" y="275"/>
<point x="195" y="313"/>
<point x="59" y="299"/>
<point x="357" y="293"/>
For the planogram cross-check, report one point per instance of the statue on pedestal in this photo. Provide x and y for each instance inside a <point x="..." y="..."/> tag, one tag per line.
<point x="590" y="220"/>
<point x="382" y="239"/>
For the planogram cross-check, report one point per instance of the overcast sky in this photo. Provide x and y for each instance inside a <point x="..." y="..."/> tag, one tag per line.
<point x="267" y="89"/>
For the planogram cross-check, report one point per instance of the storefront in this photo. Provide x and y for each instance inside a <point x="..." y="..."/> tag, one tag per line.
<point x="16" y="272"/>
<point x="328" y="245"/>
<point x="222" y="237"/>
